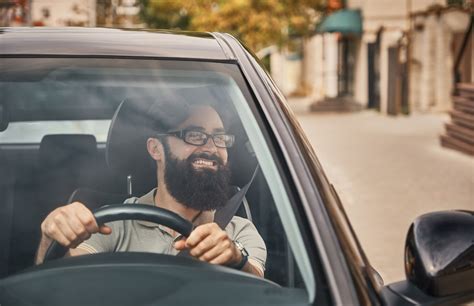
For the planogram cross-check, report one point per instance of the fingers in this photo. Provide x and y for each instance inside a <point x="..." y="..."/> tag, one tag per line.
<point x="82" y="229"/>
<point x="214" y="252"/>
<point x="200" y="233"/>
<point x="54" y="233"/>
<point x="71" y="224"/>
<point x="105" y="230"/>
<point x="180" y="245"/>
<point x="210" y="243"/>
<point x="223" y="259"/>
<point x="216" y="242"/>
<point x="86" y="218"/>
<point x="65" y="226"/>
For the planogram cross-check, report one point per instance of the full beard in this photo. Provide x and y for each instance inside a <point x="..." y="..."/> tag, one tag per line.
<point x="199" y="189"/>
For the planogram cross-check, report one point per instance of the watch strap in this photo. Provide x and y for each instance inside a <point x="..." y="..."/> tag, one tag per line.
<point x="242" y="263"/>
<point x="245" y="256"/>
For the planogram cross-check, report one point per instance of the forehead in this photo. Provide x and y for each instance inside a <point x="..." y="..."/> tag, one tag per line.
<point x="203" y="117"/>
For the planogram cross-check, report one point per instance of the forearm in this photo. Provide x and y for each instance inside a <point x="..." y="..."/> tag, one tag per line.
<point x="42" y="248"/>
<point x="44" y="245"/>
<point x="253" y="269"/>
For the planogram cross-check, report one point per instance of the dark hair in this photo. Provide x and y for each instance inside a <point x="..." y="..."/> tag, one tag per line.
<point x="166" y="115"/>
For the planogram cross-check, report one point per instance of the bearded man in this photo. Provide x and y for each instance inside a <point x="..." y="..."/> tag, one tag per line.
<point x="193" y="174"/>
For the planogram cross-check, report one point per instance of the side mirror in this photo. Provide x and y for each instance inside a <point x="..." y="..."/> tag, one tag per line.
<point x="439" y="253"/>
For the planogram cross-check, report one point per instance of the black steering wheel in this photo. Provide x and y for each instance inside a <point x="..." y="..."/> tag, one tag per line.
<point x="137" y="211"/>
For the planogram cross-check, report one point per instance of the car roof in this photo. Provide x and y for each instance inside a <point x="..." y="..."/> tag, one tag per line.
<point x="111" y="42"/>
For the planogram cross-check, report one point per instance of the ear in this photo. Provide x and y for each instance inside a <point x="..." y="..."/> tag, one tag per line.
<point x="155" y="148"/>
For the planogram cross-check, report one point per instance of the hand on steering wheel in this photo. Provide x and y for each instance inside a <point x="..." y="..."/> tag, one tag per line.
<point x="138" y="211"/>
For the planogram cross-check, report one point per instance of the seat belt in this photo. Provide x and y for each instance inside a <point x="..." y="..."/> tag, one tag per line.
<point x="223" y="216"/>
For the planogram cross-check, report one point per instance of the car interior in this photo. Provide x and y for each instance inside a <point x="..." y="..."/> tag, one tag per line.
<point x="67" y="167"/>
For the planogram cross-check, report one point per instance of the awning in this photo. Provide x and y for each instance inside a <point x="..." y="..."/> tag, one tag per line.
<point x="342" y="21"/>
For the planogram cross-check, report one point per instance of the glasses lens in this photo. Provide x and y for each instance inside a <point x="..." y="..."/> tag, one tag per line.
<point x="223" y="140"/>
<point x="195" y="138"/>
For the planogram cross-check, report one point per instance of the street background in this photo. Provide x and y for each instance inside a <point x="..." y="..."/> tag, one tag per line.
<point x="388" y="171"/>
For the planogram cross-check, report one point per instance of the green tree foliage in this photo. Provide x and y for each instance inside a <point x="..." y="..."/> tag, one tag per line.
<point x="165" y="14"/>
<point x="259" y="23"/>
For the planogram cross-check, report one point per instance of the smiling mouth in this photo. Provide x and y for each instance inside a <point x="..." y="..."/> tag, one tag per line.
<point x="204" y="163"/>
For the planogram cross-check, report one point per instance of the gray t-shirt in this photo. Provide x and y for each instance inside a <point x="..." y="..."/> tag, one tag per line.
<point x="143" y="236"/>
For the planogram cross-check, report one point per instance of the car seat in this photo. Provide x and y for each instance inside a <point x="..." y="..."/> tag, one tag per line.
<point x="65" y="162"/>
<point x="6" y="202"/>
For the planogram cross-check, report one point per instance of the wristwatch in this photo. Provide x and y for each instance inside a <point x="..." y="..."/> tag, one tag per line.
<point x="245" y="256"/>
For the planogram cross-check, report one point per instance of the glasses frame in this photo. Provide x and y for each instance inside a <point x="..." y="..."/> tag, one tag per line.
<point x="182" y="133"/>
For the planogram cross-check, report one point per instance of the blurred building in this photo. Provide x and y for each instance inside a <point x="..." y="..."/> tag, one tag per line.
<point x="436" y="38"/>
<point x="62" y="13"/>
<point x="59" y="13"/>
<point x="394" y="56"/>
<point x="15" y="12"/>
<point x="118" y="13"/>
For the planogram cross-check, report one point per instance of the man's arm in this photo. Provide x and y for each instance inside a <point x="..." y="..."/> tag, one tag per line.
<point x="253" y="268"/>
<point x="208" y="242"/>
<point x="69" y="225"/>
<point x="44" y="245"/>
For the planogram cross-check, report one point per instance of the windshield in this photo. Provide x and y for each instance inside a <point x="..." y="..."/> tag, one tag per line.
<point x="92" y="130"/>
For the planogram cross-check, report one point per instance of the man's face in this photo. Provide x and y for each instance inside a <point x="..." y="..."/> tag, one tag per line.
<point x="197" y="176"/>
<point x="205" y="119"/>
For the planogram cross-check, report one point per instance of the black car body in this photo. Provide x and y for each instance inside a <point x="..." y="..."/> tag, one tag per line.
<point x="342" y="274"/>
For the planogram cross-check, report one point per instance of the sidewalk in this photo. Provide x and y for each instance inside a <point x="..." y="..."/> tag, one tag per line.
<point x="388" y="171"/>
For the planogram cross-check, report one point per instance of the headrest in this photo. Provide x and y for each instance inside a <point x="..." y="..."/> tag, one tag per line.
<point x="134" y="121"/>
<point x="60" y="149"/>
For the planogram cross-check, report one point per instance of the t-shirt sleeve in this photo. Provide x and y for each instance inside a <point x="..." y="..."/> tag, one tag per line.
<point x="99" y="243"/>
<point x="244" y="231"/>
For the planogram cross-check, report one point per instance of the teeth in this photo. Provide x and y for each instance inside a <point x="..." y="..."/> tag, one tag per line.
<point x="203" y="162"/>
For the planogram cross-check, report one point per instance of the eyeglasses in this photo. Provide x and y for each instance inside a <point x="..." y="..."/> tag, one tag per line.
<point x="198" y="138"/>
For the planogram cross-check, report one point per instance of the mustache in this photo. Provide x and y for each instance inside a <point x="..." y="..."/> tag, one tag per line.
<point x="212" y="157"/>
